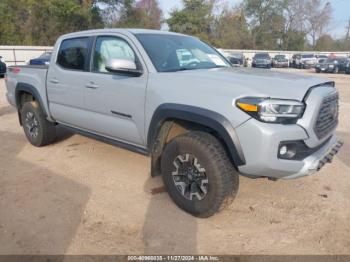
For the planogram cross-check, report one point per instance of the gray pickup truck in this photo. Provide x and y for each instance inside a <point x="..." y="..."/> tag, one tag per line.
<point x="173" y="97"/>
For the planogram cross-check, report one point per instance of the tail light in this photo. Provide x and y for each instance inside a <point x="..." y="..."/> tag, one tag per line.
<point x="14" y="70"/>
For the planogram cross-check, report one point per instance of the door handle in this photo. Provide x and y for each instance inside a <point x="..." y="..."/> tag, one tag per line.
<point x="54" y="81"/>
<point x="91" y="85"/>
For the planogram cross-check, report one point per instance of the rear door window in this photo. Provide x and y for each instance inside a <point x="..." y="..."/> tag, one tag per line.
<point x="73" y="53"/>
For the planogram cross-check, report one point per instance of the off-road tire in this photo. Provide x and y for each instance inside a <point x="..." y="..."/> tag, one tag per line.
<point x="223" y="179"/>
<point x="46" y="130"/>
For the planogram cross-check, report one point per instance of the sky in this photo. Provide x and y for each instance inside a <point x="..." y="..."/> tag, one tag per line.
<point x="341" y="13"/>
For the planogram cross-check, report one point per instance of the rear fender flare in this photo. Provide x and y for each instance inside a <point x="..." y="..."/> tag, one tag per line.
<point x="24" y="87"/>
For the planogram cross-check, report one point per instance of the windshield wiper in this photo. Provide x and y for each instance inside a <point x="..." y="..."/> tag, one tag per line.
<point x="192" y="68"/>
<point x="179" y="69"/>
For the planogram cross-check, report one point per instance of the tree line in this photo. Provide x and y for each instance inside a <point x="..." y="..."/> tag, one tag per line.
<point x="253" y="24"/>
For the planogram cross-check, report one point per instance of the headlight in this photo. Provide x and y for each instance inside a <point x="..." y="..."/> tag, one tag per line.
<point x="271" y="110"/>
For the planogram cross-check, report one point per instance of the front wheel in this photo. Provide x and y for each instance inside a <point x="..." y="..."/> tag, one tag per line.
<point x="39" y="131"/>
<point x="199" y="176"/>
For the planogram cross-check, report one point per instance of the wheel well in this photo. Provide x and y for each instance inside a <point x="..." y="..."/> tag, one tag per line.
<point x="22" y="98"/>
<point x="172" y="128"/>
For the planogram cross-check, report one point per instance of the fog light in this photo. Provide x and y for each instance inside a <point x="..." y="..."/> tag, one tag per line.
<point x="283" y="150"/>
<point x="287" y="151"/>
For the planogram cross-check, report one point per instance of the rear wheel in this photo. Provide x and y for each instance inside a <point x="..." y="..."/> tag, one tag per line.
<point x="39" y="131"/>
<point x="198" y="174"/>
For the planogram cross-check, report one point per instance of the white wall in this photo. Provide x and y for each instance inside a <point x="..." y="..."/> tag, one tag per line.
<point x="289" y="54"/>
<point x="21" y="54"/>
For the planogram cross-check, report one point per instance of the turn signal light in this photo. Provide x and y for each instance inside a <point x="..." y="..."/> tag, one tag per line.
<point x="248" y="107"/>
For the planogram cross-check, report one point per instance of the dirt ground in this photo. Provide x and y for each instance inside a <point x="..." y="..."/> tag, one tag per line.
<point x="81" y="196"/>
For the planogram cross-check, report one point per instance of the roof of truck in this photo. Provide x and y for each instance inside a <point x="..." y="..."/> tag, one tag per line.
<point x="120" y="30"/>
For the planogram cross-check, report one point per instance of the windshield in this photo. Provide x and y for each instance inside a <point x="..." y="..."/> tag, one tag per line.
<point x="280" y="57"/>
<point x="170" y="53"/>
<point x="46" y="55"/>
<point x="307" y="56"/>
<point x="262" y="56"/>
<point x="236" y="55"/>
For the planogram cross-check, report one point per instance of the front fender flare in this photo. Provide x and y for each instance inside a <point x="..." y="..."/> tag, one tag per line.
<point x="201" y="116"/>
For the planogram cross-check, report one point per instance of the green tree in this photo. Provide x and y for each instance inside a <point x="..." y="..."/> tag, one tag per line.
<point x="13" y="15"/>
<point x="296" y="40"/>
<point x="326" y="43"/>
<point x="266" y="22"/>
<point x="231" y="30"/>
<point x="195" y="18"/>
<point x="140" y="14"/>
<point x="32" y="22"/>
<point x="319" y="13"/>
<point x="150" y="14"/>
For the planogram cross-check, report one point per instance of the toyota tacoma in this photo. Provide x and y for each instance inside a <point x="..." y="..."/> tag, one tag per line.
<point x="202" y="121"/>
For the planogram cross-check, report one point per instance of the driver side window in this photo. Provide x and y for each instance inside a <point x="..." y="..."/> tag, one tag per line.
<point x="108" y="47"/>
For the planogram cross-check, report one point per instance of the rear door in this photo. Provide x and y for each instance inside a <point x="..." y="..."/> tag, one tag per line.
<point x="114" y="102"/>
<point x="65" y="81"/>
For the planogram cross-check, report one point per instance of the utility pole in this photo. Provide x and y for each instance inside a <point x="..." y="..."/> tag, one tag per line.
<point x="348" y="31"/>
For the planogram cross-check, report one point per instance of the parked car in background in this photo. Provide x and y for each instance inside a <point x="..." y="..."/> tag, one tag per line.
<point x="280" y="61"/>
<point x="262" y="60"/>
<point x="2" y="67"/>
<point x="44" y="59"/>
<point x="236" y="59"/>
<point x="305" y="61"/>
<point x="321" y="57"/>
<point x="347" y="66"/>
<point x="332" y="65"/>
<point x="293" y="60"/>
<point x="321" y="61"/>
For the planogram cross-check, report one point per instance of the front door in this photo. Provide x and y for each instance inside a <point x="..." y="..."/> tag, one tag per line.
<point x="115" y="103"/>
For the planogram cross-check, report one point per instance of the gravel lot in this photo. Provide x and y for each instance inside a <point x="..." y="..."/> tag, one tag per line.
<point x="80" y="196"/>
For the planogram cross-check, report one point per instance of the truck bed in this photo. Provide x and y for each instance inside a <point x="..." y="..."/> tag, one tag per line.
<point x="26" y="76"/>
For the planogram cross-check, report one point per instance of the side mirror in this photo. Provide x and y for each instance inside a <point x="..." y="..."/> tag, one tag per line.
<point x="122" y="66"/>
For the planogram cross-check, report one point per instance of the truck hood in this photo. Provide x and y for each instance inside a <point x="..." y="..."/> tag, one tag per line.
<point x="257" y="82"/>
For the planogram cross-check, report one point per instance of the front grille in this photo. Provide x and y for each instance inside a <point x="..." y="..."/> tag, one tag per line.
<point x="327" y="118"/>
<point x="260" y="61"/>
